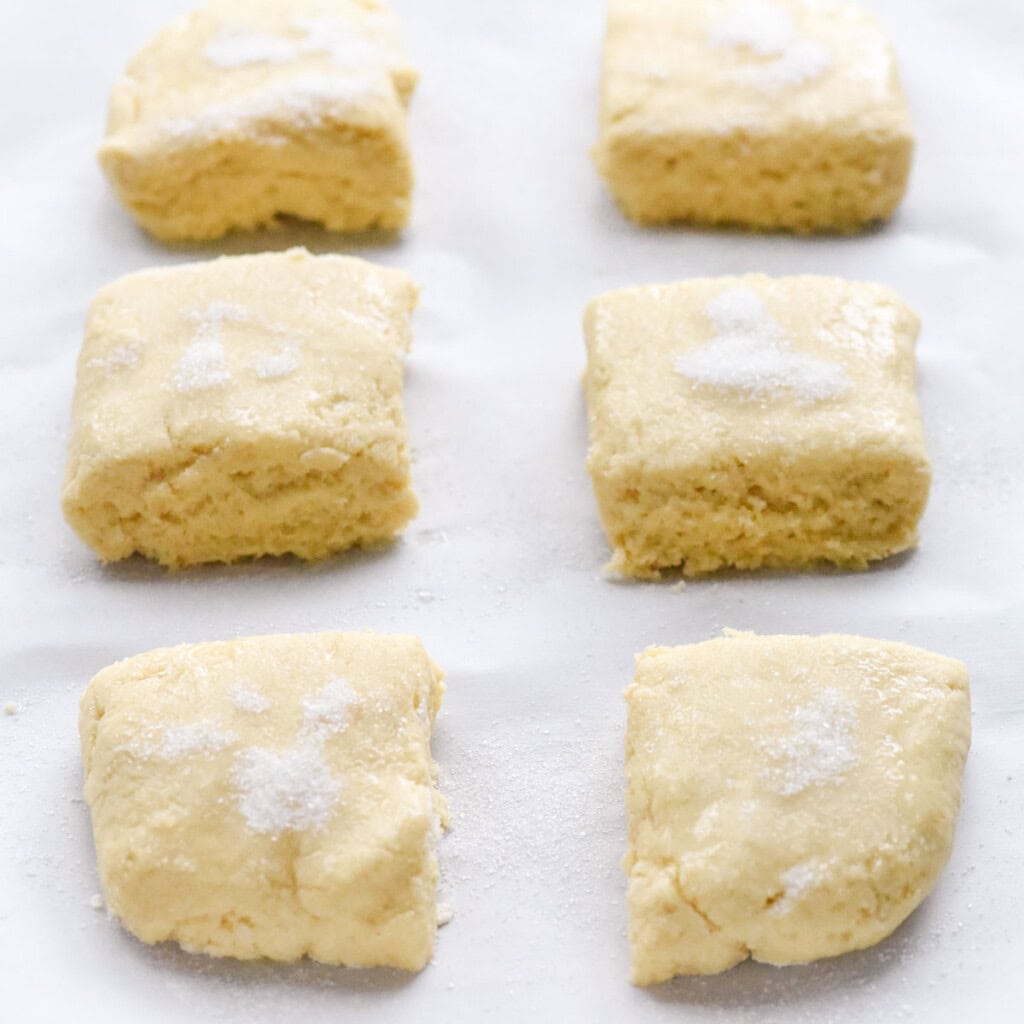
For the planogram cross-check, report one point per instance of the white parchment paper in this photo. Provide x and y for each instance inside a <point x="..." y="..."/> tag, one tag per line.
<point x="501" y="571"/>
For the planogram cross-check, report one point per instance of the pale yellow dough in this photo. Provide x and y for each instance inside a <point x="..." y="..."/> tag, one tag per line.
<point x="246" y="406"/>
<point x="771" y="114"/>
<point x="245" y="110"/>
<point x="790" y="798"/>
<point x="270" y="797"/>
<point x="754" y="421"/>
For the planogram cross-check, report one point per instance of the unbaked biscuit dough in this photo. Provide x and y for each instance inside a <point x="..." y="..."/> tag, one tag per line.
<point x="773" y="114"/>
<point x="248" y="109"/>
<point x="790" y="798"/>
<point x="270" y="797"/>
<point x="754" y="421"/>
<point x="247" y="406"/>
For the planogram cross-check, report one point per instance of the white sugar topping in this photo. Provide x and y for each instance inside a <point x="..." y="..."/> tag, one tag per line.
<point x="326" y="34"/>
<point x="248" y="699"/>
<point x="372" y="320"/>
<point x="338" y="38"/>
<point x="202" y="366"/>
<point x="779" y="58"/>
<point x="375" y="289"/>
<point x="302" y="101"/>
<point x="765" y="28"/>
<point x="219" y="312"/>
<point x="873" y="64"/>
<point x="864" y="327"/>
<point x="289" y="790"/>
<point x="189" y="738"/>
<point x="277" y="790"/>
<point x="820" y="746"/>
<point x="237" y="49"/>
<point x="749" y="354"/>
<point x="294" y="789"/>
<point x="124" y="357"/>
<point x="276" y="366"/>
<point x="795" y="882"/>
<point x="759" y="369"/>
<point x="740" y="310"/>
<point x="327" y="710"/>
<point x="708" y="821"/>
<point x="803" y="61"/>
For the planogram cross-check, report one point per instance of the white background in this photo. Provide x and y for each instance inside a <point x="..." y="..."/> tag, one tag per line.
<point x="500" y="573"/>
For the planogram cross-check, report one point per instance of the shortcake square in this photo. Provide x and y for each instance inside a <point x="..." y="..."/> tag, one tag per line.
<point x="270" y="797"/>
<point x="754" y="421"/>
<point x="250" y="405"/>
<point x="771" y="114"/>
<point x="243" y="111"/>
<point x="790" y="797"/>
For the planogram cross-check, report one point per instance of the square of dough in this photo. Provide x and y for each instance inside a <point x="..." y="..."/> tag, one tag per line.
<point x="772" y="114"/>
<point x="248" y="109"/>
<point x="250" y="405"/>
<point x="270" y="797"/>
<point x="790" y="798"/>
<point x="754" y="421"/>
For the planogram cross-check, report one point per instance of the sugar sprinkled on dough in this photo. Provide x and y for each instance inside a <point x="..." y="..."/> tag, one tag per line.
<point x="795" y="882"/>
<point x="766" y="30"/>
<point x="741" y="310"/>
<point x="246" y="698"/>
<point x="124" y="357"/>
<point x="337" y="37"/>
<point x="749" y="354"/>
<point x="821" y="746"/>
<point x="869" y="329"/>
<point x="873" y="66"/>
<point x="220" y="311"/>
<point x="203" y="363"/>
<point x="276" y="366"/>
<point x="328" y="709"/>
<point x="802" y="61"/>
<point x="293" y="789"/>
<point x="323" y="34"/>
<point x="185" y="739"/>
<point x="298" y="102"/>
<point x="238" y="49"/>
<point x="202" y="366"/>
<point x="289" y="790"/>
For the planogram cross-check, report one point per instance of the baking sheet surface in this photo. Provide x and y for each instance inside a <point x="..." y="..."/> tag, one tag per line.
<point x="501" y="571"/>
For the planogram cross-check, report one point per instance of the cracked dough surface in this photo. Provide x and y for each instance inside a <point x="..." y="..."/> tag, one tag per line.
<point x="790" y="798"/>
<point x="246" y="406"/>
<point x="242" y="111"/>
<point x="754" y="421"/>
<point x="270" y="797"/>
<point x="773" y="114"/>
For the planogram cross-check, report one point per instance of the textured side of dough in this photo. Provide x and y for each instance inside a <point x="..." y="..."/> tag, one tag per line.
<point x="809" y="181"/>
<point x="735" y="465"/>
<point x="270" y="797"/>
<point x="242" y="407"/>
<point x="709" y="115"/>
<point x="790" y="798"/>
<point x="241" y="112"/>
